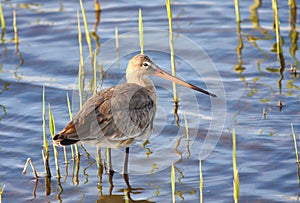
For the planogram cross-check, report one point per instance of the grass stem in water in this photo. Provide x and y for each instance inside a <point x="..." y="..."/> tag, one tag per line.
<point x="235" y="170"/>
<point x="141" y="31"/>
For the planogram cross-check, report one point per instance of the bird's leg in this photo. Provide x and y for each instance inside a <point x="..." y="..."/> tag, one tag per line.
<point x="111" y="184"/>
<point x="109" y="164"/>
<point x="125" y="169"/>
<point x="127" y="191"/>
<point x="109" y="170"/>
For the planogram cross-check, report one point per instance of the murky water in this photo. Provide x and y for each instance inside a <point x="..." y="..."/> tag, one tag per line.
<point x="244" y="57"/>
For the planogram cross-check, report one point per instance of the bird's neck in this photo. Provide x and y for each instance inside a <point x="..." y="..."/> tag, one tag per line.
<point x="146" y="83"/>
<point x="142" y="81"/>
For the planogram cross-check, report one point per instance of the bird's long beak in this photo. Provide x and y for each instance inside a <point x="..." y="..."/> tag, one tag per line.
<point x="162" y="74"/>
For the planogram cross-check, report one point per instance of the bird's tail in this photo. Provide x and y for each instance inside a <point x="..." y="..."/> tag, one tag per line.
<point x="62" y="140"/>
<point x="67" y="136"/>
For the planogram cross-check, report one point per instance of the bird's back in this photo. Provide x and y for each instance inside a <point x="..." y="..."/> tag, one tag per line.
<point x="115" y="117"/>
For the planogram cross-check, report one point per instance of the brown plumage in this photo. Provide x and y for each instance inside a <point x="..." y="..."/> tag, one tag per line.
<point x="114" y="117"/>
<point x="120" y="115"/>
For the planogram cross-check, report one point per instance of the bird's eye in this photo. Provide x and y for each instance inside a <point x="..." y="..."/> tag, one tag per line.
<point x="145" y="65"/>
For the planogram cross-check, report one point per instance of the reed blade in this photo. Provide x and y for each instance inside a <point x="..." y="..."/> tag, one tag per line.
<point x="173" y="183"/>
<point x="52" y="132"/>
<point x="45" y="151"/>
<point x="2" y="18"/>
<point x="117" y="38"/>
<point x="141" y="31"/>
<point x="2" y="186"/>
<point x="235" y="170"/>
<point x="15" y="28"/>
<point x="237" y="10"/>
<point x="45" y="141"/>
<point x="80" y="43"/>
<point x="71" y="118"/>
<point x="169" y="11"/>
<point x="87" y="34"/>
<point x="95" y="73"/>
<point x="201" y="181"/>
<point x="296" y="152"/>
<point x="97" y="6"/>
<point x="277" y="27"/>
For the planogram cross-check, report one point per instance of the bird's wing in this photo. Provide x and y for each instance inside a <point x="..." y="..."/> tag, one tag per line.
<point x="133" y="110"/>
<point x="113" y="115"/>
<point x="79" y="128"/>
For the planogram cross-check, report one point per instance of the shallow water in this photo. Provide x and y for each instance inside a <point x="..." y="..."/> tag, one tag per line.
<point x="48" y="54"/>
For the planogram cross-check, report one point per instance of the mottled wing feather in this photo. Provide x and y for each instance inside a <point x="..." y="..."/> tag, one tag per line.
<point x="80" y="123"/>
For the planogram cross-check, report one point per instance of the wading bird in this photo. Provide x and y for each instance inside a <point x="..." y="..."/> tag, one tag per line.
<point x="120" y="115"/>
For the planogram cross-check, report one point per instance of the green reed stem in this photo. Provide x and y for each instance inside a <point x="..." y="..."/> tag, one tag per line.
<point x="2" y="18"/>
<point x="65" y="155"/>
<point x="65" y="149"/>
<point x="295" y="143"/>
<point x="72" y="152"/>
<point x="277" y="27"/>
<point x="15" y="27"/>
<point x="235" y="170"/>
<point x="80" y="43"/>
<point x="141" y="31"/>
<point x="201" y="182"/>
<point x="69" y="107"/>
<point x="81" y="66"/>
<point x="237" y="10"/>
<point x="117" y="52"/>
<point x="80" y="86"/>
<point x="71" y="118"/>
<point x="97" y="6"/>
<point x="169" y="11"/>
<point x="51" y="122"/>
<point x="45" y="141"/>
<point x="2" y="186"/>
<point x="76" y="171"/>
<point x="52" y="132"/>
<point x="87" y="34"/>
<point x="117" y="38"/>
<point x="77" y="151"/>
<point x="296" y="151"/>
<point x="173" y="183"/>
<point x="99" y="163"/>
<point x="95" y="73"/>
<point x="292" y="3"/>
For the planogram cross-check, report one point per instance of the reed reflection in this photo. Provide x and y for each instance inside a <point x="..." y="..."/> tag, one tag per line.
<point x="2" y="107"/>
<point x="254" y="17"/>
<point x="293" y="34"/>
